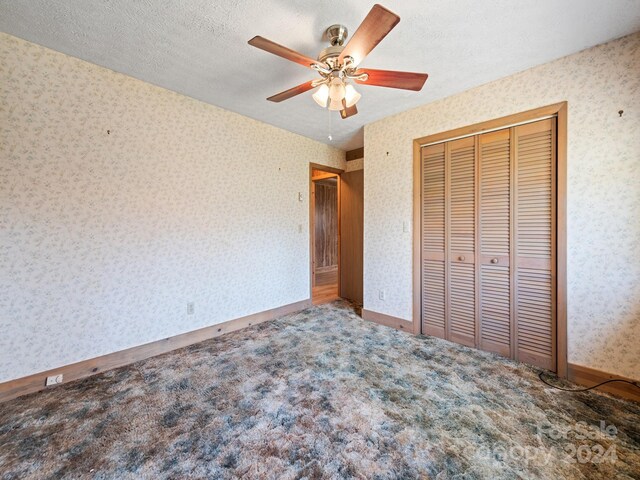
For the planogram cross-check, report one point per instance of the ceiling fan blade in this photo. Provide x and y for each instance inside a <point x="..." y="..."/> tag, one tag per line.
<point x="284" y="52"/>
<point x="292" y="92"/>
<point x="347" y="112"/>
<point x="393" y="79"/>
<point x="377" y="24"/>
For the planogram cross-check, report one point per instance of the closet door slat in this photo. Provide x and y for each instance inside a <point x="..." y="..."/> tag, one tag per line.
<point x="433" y="241"/>
<point x="495" y="242"/>
<point x="535" y="244"/>
<point x="461" y="206"/>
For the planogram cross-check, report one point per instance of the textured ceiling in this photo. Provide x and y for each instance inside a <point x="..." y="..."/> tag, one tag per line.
<point x="199" y="47"/>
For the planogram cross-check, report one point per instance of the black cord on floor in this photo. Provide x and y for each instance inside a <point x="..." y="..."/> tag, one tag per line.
<point x="584" y="389"/>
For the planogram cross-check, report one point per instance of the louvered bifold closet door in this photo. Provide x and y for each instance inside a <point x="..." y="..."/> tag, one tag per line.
<point x="461" y="220"/>
<point x="495" y="242"/>
<point x="535" y="243"/>
<point x="433" y="240"/>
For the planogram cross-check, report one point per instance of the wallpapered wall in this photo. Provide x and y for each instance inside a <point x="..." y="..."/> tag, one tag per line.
<point x="105" y="237"/>
<point x="603" y="193"/>
<point x="356" y="164"/>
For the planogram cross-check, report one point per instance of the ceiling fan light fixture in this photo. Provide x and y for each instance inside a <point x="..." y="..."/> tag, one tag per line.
<point x="335" y="105"/>
<point x="321" y="96"/>
<point x="336" y="90"/>
<point x="351" y="96"/>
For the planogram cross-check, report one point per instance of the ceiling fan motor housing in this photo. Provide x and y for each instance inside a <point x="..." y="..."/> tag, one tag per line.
<point x="329" y="55"/>
<point x="337" y="34"/>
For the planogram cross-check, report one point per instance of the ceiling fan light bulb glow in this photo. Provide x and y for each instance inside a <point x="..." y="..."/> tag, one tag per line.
<point x="321" y="96"/>
<point x="335" y="105"/>
<point x="351" y="96"/>
<point x="336" y="90"/>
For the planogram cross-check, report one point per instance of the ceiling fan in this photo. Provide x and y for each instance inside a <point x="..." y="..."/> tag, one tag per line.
<point x="338" y="64"/>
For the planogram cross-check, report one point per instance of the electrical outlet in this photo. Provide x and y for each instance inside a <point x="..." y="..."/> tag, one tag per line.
<point x="299" y="196"/>
<point x="190" y="308"/>
<point x="299" y="228"/>
<point x="54" y="380"/>
<point x="381" y="294"/>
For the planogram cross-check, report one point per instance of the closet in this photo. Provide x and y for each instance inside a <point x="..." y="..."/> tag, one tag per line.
<point x="488" y="241"/>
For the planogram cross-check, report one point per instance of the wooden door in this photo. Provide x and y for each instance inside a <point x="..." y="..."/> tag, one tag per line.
<point x="495" y="242"/>
<point x="535" y="243"/>
<point x="489" y="242"/>
<point x="433" y="240"/>
<point x="326" y="225"/>
<point x="351" y="241"/>
<point x="460" y="240"/>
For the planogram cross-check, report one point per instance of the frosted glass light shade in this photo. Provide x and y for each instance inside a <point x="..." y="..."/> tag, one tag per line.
<point x="336" y="90"/>
<point x="351" y="96"/>
<point x="335" y="105"/>
<point x="321" y="96"/>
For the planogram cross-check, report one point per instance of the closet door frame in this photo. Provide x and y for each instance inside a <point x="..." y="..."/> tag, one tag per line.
<point x="559" y="110"/>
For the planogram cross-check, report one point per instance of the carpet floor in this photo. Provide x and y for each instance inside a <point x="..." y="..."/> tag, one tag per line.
<point x="314" y="395"/>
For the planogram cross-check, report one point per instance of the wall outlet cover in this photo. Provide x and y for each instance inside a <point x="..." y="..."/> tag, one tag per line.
<point x="54" y="380"/>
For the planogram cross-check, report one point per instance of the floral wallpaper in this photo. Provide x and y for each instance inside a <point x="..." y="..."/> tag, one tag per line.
<point x="603" y="193"/>
<point x="121" y="202"/>
<point x="356" y="164"/>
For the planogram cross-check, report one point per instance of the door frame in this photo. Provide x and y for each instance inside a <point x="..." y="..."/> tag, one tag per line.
<point x="333" y="172"/>
<point x="559" y="110"/>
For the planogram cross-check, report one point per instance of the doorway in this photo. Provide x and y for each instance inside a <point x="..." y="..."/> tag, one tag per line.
<point x="325" y="233"/>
